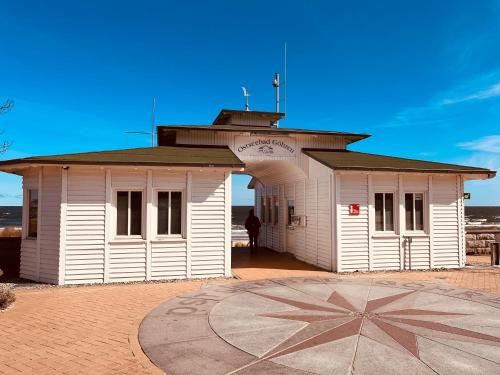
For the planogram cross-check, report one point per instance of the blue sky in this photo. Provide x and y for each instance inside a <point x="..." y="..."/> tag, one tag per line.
<point x="423" y="77"/>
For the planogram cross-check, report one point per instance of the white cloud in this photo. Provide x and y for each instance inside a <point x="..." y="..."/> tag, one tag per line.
<point x="484" y="192"/>
<point x="489" y="143"/>
<point x="489" y="92"/>
<point x="443" y="109"/>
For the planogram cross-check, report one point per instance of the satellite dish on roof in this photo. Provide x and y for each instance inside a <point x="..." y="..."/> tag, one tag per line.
<point x="246" y="94"/>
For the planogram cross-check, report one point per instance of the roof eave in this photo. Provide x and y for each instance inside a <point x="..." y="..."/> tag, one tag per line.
<point x="19" y="164"/>
<point x="265" y="130"/>
<point x="488" y="173"/>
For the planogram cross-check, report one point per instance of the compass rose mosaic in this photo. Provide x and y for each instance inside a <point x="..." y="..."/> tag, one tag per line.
<point x="326" y="326"/>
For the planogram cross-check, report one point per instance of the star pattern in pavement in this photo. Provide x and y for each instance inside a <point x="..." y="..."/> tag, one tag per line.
<point x="338" y="318"/>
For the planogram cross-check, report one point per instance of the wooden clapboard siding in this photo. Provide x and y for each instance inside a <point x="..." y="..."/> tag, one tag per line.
<point x="354" y="229"/>
<point x="420" y="253"/>
<point x="169" y="260"/>
<point x="208" y="224"/>
<point x="324" y="227"/>
<point x="49" y="225"/>
<point x="311" y="229"/>
<point x="386" y="248"/>
<point x="28" y="259"/>
<point x="275" y="227"/>
<point x="300" y="209"/>
<point x="289" y="192"/>
<point x="85" y="214"/>
<point x="420" y="247"/>
<point x="312" y="242"/>
<point x="445" y="241"/>
<point x="28" y="268"/>
<point x="386" y="254"/>
<point x="127" y="261"/>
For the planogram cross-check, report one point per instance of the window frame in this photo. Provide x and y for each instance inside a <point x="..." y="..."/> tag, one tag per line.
<point x="424" y="212"/>
<point x="394" y="212"/>
<point x="288" y="215"/>
<point x="156" y="215"/>
<point x="143" y="214"/>
<point x="27" y="195"/>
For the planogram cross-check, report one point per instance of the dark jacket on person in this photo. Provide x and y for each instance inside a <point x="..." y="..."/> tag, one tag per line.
<point x="252" y="224"/>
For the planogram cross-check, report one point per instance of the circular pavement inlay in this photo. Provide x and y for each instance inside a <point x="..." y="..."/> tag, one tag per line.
<point x="325" y="326"/>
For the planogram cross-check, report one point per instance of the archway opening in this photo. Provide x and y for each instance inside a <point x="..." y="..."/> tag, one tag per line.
<point x="242" y="200"/>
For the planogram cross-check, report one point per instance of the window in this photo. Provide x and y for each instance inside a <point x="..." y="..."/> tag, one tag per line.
<point x="276" y="210"/>
<point x="129" y="213"/>
<point x="169" y="212"/>
<point x="32" y="213"/>
<point x="414" y="211"/>
<point x="384" y="212"/>
<point x="290" y="211"/>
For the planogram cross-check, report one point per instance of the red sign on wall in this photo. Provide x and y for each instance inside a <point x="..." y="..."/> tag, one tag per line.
<point x="354" y="209"/>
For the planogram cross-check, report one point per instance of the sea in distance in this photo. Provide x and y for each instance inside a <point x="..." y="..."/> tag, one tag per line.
<point x="11" y="216"/>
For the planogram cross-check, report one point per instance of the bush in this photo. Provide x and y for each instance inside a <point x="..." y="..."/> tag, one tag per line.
<point x="7" y="297"/>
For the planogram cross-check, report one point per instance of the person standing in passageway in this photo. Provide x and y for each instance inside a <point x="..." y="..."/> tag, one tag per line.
<point x="252" y="225"/>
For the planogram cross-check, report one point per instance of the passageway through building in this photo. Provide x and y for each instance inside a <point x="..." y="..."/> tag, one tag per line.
<point x="271" y="256"/>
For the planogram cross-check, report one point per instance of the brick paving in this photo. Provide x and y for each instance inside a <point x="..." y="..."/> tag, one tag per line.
<point x="93" y="329"/>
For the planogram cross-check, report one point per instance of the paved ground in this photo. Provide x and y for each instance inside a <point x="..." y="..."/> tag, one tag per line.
<point x="266" y="264"/>
<point x="93" y="330"/>
<point x="325" y="326"/>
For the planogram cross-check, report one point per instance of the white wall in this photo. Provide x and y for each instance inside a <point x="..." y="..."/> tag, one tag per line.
<point x="95" y="254"/>
<point x="85" y="226"/>
<point x="40" y="256"/>
<point x="312" y="197"/>
<point x="209" y="221"/>
<point x="29" y="254"/>
<point x="49" y="225"/>
<point x="439" y="245"/>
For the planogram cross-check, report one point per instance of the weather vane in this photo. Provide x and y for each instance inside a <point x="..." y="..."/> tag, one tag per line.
<point x="246" y="94"/>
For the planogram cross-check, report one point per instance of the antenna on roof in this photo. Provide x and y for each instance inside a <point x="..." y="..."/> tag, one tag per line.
<point x="246" y="94"/>
<point x="153" y="123"/>
<point x="152" y="132"/>
<point x="284" y="87"/>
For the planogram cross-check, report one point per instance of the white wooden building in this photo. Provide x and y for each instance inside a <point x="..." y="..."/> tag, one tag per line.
<point x="165" y="212"/>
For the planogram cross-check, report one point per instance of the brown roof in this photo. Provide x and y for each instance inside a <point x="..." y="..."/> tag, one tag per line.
<point x="224" y="114"/>
<point x="350" y="160"/>
<point x="199" y="156"/>
<point x="352" y="137"/>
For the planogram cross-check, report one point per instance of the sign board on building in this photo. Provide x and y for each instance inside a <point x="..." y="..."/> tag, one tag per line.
<point x="354" y="209"/>
<point x="264" y="146"/>
<point x="466" y="195"/>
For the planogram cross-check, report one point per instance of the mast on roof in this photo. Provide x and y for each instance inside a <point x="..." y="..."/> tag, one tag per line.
<point x="246" y="94"/>
<point x="276" y="85"/>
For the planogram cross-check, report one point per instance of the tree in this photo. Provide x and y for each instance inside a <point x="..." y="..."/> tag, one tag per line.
<point x="4" y="108"/>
